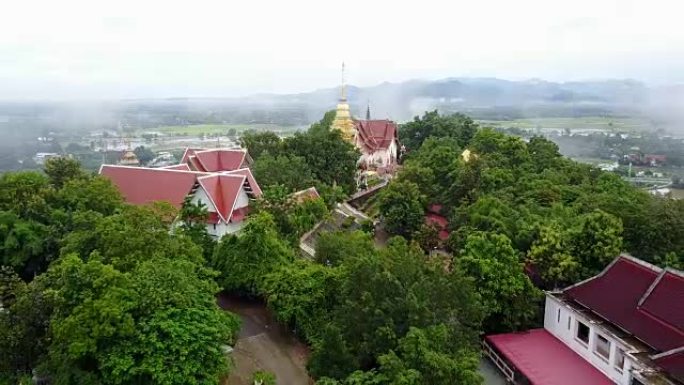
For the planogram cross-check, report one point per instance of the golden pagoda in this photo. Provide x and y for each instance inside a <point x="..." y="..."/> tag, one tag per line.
<point x="343" y="119"/>
<point x="129" y="158"/>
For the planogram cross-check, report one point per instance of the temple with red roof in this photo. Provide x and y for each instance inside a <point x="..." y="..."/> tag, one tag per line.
<point x="216" y="179"/>
<point x="378" y="143"/>
<point x="624" y="326"/>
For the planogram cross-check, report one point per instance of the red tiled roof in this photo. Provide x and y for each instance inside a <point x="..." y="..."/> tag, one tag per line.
<point x="194" y="163"/>
<point x="641" y="299"/>
<point x="213" y="218"/>
<point x="223" y="191"/>
<point x="140" y="185"/>
<point x="216" y="160"/>
<point x="435" y="208"/>
<point x="188" y="153"/>
<point x="376" y="134"/>
<point x="180" y="167"/>
<point x="256" y="190"/>
<point x="672" y="362"/>
<point x="545" y="360"/>
<point x="440" y="222"/>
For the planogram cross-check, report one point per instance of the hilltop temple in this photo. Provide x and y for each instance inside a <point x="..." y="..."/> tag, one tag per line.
<point x="376" y="139"/>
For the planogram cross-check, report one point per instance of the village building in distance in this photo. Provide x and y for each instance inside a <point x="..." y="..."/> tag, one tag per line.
<point x="624" y="326"/>
<point x="377" y="140"/>
<point x="219" y="179"/>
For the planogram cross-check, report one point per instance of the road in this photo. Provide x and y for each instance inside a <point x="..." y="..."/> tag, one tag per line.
<point x="264" y="345"/>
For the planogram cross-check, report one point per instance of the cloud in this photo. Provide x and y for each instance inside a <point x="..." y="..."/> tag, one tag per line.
<point x="166" y="48"/>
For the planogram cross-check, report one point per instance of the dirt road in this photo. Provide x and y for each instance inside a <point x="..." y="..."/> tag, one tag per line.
<point x="264" y="345"/>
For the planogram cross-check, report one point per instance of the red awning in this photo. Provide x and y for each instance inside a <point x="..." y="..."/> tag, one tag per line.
<point x="545" y="360"/>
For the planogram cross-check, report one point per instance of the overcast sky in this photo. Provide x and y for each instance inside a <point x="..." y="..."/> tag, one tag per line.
<point x="140" y="48"/>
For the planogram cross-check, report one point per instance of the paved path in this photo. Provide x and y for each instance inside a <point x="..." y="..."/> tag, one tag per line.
<point x="491" y="374"/>
<point x="264" y="345"/>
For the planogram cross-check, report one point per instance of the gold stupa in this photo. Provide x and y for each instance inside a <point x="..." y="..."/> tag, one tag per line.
<point x="343" y="119"/>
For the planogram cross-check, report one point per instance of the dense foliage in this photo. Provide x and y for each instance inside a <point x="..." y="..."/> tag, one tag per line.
<point x="109" y="295"/>
<point x="98" y="292"/>
<point x="318" y="157"/>
<point x="563" y="220"/>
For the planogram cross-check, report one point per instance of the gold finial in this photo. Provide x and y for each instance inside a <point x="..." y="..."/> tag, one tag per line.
<point x="343" y="92"/>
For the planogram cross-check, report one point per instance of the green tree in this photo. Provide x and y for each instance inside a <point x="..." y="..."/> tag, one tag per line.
<point x="289" y="171"/>
<point x="387" y="293"/>
<point x="331" y="356"/>
<point x="330" y="158"/>
<point x="432" y="124"/>
<point x="334" y="248"/>
<point x="26" y="310"/>
<point x="62" y="169"/>
<point x="324" y="124"/>
<point x="194" y="225"/>
<point x="402" y="208"/>
<point x="144" y="154"/>
<point x="245" y="259"/>
<point x="507" y="294"/>
<point x="426" y="357"/>
<point x="259" y="143"/>
<point x="302" y="295"/>
<point x="596" y="241"/>
<point x="23" y="246"/>
<point x="551" y="258"/>
<point x="157" y="323"/>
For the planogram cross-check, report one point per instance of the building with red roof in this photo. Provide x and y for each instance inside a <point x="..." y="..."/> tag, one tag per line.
<point x="225" y="194"/>
<point x="216" y="159"/>
<point x="378" y="143"/>
<point x="626" y="323"/>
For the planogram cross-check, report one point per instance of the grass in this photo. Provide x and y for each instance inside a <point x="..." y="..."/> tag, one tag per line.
<point x="210" y="129"/>
<point x="593" y="122"/>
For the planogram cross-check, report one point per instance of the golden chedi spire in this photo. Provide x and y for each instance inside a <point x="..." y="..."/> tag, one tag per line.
<point x="343" y="120"/>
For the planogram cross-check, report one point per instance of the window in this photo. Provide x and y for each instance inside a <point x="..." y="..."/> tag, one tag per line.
<point x="214" y="226"/>
<point x="602" y="346"/>
<point x="582" y="332"/>
<point x="619" y="360"/>
<point x="558" y="317"/>
<point x="569" y="322"/>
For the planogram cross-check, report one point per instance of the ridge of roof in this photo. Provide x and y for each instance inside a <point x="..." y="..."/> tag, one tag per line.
<point x="668" y="353"/>
<point x="152" y="169"/>
<point x="214" y="199"/>
<point x="636" y="297"/>
<point x="247" y="172"/>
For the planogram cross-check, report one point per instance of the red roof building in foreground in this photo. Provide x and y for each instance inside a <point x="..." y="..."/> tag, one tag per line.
<point x="627" y="323"/>
<point x="226" y="195"/>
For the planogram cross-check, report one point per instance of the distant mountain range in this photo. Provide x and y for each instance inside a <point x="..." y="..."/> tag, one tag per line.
<point x="481" y="98"/>
<point x="495" y="99"/>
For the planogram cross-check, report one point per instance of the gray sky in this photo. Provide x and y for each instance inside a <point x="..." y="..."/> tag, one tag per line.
<point x="71" y="49"/>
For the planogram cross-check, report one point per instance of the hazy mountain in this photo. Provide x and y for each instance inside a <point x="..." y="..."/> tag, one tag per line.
<point x="483" y="97"/>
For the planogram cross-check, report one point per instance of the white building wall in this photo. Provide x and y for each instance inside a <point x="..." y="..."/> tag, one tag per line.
<point x="558" y="326"/>
<point x="221" y="228"/>
<point x="242" y="200"/>
<point x="381" y="158"/>
<point x="201" y="196"/>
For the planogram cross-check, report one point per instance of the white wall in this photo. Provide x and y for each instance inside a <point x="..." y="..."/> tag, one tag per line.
<point x="381" y="158"/>
<point x="201" y="196"/>
<point x="221" y="228"/>
<point x="560" y="330"/>
<point x="242" y="199"/>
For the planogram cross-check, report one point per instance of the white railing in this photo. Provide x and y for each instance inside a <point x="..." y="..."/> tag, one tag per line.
<point x="507" y="371"/>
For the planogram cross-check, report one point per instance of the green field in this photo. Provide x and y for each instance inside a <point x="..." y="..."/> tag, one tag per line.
<point x="212" y="129"/>
<point x="596" y="123"/>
